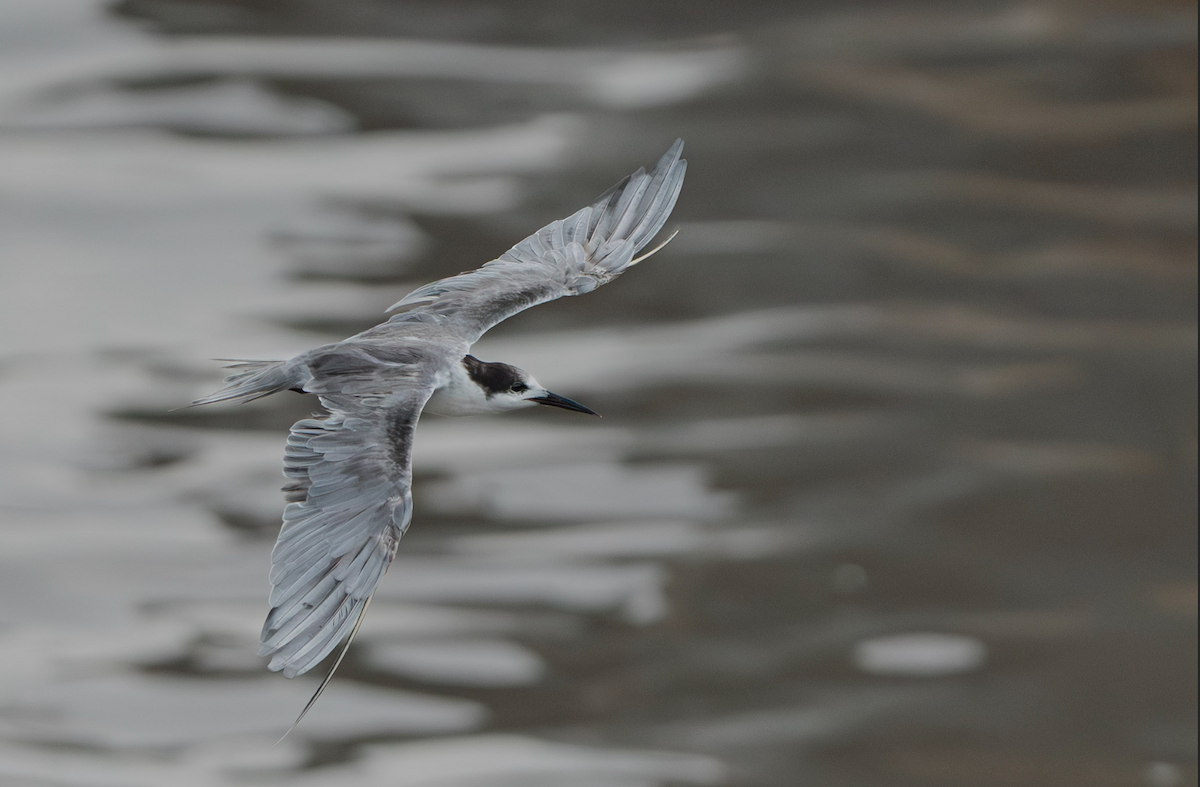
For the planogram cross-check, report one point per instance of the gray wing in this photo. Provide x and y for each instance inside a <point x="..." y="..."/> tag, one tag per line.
<point x="349" y="490"/>
<point x="568" y="257"/>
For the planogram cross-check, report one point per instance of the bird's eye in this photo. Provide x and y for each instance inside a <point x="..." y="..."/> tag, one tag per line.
<point x="519" y="388"/>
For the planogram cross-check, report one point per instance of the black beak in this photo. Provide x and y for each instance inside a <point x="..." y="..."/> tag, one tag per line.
<point x="554" y="400"/>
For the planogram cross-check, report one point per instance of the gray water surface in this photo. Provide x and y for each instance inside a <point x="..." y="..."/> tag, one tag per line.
<point x="896" y="480"/>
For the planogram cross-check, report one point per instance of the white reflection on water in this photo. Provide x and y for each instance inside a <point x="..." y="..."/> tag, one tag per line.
<point x="464" y="662"/>
<point x="924" y="655"/>
<point x="654" y="538"/>
<point x="632" y="590"/>
<point x="137" y="200"/>
<point x="517" y="761"/>
<point x="136" y="711"/>
<point x="623" y="80"/>
<point x="583" y="490"/>
<point x="61" y="54"/>
<point x="480" y="761"/>
<point x="229" y="107"/>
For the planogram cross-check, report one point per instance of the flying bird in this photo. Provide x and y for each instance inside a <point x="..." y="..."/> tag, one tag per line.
<point x="350" y="471"/>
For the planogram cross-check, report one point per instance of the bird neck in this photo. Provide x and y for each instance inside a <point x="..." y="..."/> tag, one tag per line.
<point x="471" y="388"/>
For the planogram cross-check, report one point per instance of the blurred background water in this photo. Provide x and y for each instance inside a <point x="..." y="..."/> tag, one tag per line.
<point x="896" y="484"/>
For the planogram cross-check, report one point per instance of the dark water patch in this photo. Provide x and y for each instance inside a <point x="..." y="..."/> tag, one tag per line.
<point x="725" y="393"/>
<point x="435" y="104"/>
<point x="533" y="22"/>
<point x="259" y="528"/>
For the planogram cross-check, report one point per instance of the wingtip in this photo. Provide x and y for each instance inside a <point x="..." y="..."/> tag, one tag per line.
<point x="329" y="675"/>
<point x="671" y="158"/>
<point x="674" y="152"/>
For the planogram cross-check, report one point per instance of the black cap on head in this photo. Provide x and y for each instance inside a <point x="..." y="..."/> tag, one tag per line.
<point x="493" y="378"/>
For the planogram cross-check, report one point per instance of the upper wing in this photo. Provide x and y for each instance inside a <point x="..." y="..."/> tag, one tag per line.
<point x="350" y="476"/>
<point x="568" y="257"/>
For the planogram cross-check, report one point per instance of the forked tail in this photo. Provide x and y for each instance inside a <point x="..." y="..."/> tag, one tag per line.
<point x="253" y="380"/>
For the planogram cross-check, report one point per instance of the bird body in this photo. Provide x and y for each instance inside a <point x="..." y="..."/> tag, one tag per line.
<point x="349" y="472"/>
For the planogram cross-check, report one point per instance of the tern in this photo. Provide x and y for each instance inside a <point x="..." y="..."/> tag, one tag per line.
<point x="350" y="471"/>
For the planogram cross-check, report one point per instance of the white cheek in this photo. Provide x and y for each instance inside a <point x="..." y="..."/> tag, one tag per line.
<point x="508" y="402"/>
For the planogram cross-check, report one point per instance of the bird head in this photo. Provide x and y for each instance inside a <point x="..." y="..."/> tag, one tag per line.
<point x="508" y="387"/>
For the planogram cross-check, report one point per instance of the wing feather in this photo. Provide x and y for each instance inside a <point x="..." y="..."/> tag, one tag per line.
<point x="349" y="477"/>
<point x="567" y="257"/>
